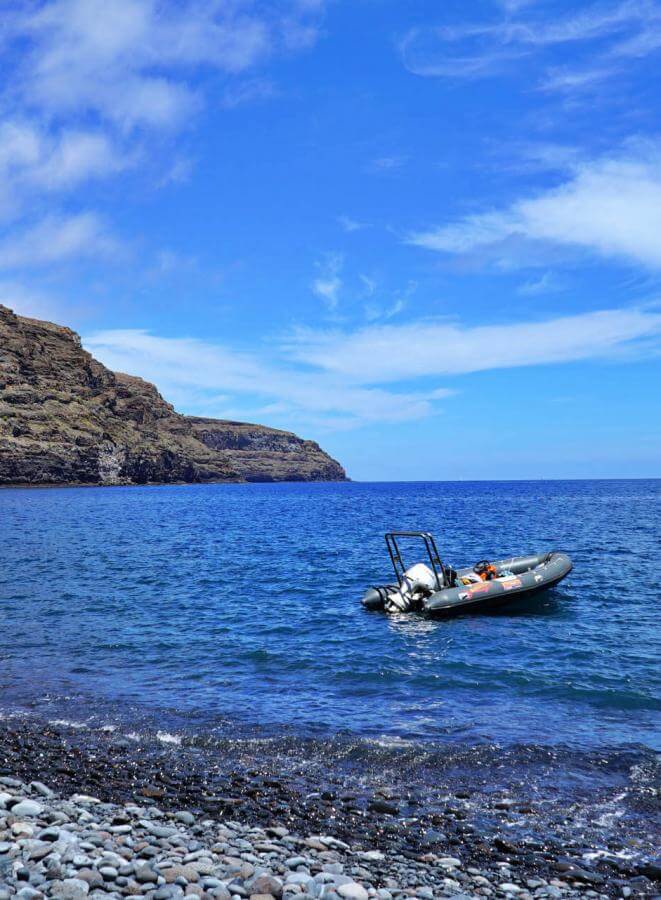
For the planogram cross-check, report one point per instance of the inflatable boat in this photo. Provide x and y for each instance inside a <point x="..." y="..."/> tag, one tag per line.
<point x="441" y="590"/>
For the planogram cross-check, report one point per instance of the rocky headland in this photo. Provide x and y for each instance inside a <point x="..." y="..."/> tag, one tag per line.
<point x="67" y="419"/>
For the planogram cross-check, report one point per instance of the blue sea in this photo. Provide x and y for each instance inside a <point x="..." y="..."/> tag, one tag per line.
<point x="237" y="607"/>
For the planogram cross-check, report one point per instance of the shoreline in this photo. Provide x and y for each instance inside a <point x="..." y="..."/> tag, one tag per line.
<point x="22" y="485"/>
<point x="411" y="818"/>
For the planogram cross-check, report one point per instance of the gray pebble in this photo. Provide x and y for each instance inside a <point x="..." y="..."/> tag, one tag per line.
<point x="352" y="891"/>
<point x="69" y="889"/>
<point x="145" y="875"/>
<point x="40" y="788"/>
<point x="184" y="816"/>
<point x="29" y="808"/>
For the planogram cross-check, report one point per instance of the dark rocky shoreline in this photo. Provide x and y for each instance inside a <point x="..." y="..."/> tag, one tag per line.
<point x="400" y="807"/>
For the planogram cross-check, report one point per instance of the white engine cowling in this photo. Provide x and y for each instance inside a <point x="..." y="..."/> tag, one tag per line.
<point x="418" y="582"/>
<point x="420" y="577"/>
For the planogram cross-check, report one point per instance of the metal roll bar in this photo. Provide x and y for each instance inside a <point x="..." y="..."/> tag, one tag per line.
<point x="432" y="552"/>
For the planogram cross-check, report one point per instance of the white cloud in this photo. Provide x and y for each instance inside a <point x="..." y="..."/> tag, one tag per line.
<point x="391" y="353"/>
<point x="383" y="164"/>
<point x="350" y="225"/>
<point x="57" y="239"/>
<point x="248" y="91"/>
<point x="328" y="284"/>
<point x="35" y="163"/>
<point x="111" y="58"/>
<point x="129" y="61"/>
<point x="605" y="35"/>
<point x="547" y="283"/>
<point x="373" y="312"/>
<point x="339" y="379"/>
<point x="369" y="283"/>
<point x="33" y="158"/>
<point x="611" y="206"/>
<point x="95" y="83"/>
<point x="567" y="80"/>
<point x="178" y="173"/>
<point x="199" y="371"/>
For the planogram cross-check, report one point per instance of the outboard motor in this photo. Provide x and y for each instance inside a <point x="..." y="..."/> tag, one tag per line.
<point x="418" y="582"/>
<point x="413" y="584"/>
<point x="375" y="597"/>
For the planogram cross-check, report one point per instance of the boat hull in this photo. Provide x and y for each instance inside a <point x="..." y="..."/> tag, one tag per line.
<point x="518" y="577"/>
<point x="530" y="575"/>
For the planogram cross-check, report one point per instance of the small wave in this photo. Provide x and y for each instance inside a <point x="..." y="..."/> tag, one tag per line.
<point x="68" y="723"/>
<point x="388" y="742"/>
<point x="166" y="738"/>
<point x="608" y="854"/>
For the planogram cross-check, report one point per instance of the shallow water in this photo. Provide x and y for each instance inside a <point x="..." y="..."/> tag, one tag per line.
<point x="239" y="604"/>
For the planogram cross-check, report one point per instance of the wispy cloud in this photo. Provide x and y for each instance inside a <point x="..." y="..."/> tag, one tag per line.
<point x="350" y="225"/>
<point x="391" y="306"/>
<point x="129" y="61"/>
<point x="250" y="90"/>
<point x="566" y="79"/>
<point x="547" y="283"/>
<point x="386" y="164"/>
<point x="603" y="37"/>
<point x="369" y="284"/>
<point x="36" y="160"/>
<point x="611" y="206"/>
<point x="196" y="373"/>
<point x="328" y="284"/>
<point x="341" y="379"/>
<point x="391" y="353"/>
<point x="95" y="86"/>
<point x="374" y="312"/>
<point x="58" y="239"/>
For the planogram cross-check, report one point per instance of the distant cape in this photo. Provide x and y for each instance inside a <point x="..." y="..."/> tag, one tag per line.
<point x="67" y="419"/>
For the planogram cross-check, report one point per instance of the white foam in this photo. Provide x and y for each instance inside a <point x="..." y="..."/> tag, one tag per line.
<point x="166" y="738"/>
<point x="388" y="742"/>
<point x="68" y="723"/>
<point x="607" y="854"/>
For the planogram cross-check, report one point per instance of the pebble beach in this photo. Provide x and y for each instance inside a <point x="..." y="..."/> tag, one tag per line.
<point x="99" y="815"/>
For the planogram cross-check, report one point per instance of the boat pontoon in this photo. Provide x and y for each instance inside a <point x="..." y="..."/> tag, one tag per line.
<point x="440" y="590"/>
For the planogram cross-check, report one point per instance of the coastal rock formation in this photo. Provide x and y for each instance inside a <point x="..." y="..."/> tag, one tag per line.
<point x="259" y="453"/>
<point x="67" y="419"/>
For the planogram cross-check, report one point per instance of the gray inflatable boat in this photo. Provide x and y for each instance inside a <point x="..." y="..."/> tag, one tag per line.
<point x="440" y="590"/>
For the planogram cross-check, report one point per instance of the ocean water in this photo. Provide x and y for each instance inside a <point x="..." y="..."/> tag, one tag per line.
<point x="237" y="607"/>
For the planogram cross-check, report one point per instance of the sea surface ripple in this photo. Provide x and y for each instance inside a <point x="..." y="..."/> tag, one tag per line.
<point x="239" y="604"/>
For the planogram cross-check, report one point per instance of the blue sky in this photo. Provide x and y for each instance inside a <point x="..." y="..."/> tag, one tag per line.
<point x="427" y="235"/>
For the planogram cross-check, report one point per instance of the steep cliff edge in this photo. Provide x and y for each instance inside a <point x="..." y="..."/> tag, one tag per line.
<point x="67" y="419"/>
<point x="259" y="453"/>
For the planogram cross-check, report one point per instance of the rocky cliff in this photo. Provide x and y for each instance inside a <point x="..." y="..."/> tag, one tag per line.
<point x="259" y="453"/>
<point x="67" y="419"/>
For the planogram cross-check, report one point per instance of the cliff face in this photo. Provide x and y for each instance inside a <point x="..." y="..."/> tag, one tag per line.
<point x="259" y="453"/>
<point x="65" y="418"/>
